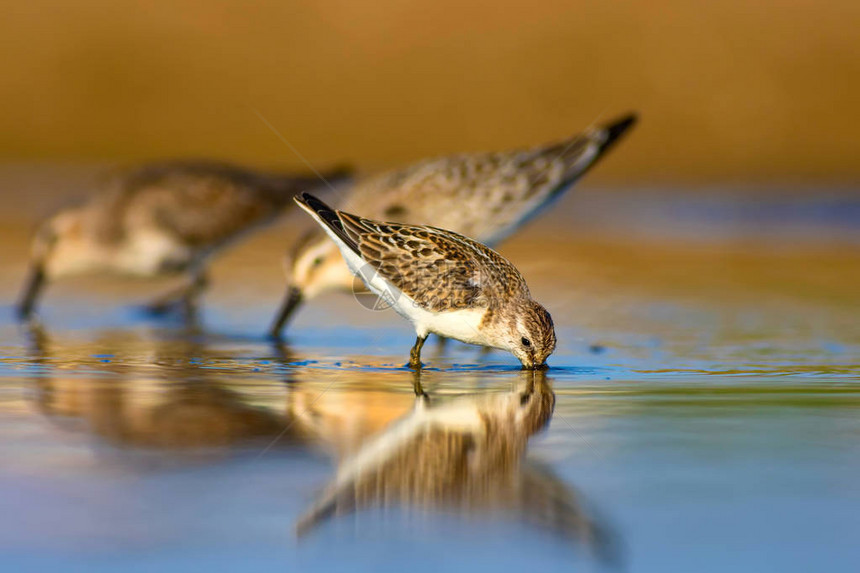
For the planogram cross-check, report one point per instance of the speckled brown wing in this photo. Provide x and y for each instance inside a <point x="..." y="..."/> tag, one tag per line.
<point x="207" y="211"/>
<point x="201" y="204"/>
<point x="211" y="207"/>
<point x="439" y="270"/>
<point x="205" y="205"/>
<point x="495" y="192"/>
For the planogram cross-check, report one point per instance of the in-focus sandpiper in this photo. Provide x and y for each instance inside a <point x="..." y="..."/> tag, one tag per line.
<point x="442" y="282"/>
<point x="486" y="196"/>
<point x="160" y="219"/>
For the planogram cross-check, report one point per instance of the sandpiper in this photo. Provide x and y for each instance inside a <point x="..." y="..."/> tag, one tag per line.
<point x="160" y="219"/>
<point x="442" y="282"/>
<point x="486" y="196"/>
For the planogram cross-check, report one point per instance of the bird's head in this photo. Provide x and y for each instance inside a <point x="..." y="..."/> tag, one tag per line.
<point x="61" y="247"/>
<point x="317" y="266"/>
<point x="314" y="266"/>
<point x="531" y="335"/>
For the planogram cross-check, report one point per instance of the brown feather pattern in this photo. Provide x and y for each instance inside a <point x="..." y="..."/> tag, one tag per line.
<point x="438" y="269"/>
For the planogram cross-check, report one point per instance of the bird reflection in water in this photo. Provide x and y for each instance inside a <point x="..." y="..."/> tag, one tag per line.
<point x="162" y="402"/>
<point x="465" y="455"/>
<point x="462" y="455"/>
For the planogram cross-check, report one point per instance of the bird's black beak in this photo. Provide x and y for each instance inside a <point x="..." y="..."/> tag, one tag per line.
<point x="32" y="288"/>
<point x="292" y="300"/>
<point x="534" y="364"/>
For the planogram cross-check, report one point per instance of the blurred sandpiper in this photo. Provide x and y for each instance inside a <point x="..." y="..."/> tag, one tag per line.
<point x="441" y="282"/>
<point x="157" y="220"/>
<point x="486" y="196"/>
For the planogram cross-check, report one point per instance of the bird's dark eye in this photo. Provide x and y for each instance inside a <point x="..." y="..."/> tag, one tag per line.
<point x="526" y="341"/>
<point x="317" y="262"/>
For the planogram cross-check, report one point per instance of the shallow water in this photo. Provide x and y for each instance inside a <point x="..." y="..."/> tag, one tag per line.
<point x="706" y="416"/>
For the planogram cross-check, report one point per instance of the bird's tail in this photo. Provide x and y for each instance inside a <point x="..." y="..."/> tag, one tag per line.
<point x="327" y="217"/>
<point x="581" y="152"/>
<point x="552" y="169"/>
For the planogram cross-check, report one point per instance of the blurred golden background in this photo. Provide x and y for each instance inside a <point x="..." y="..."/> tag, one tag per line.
<point x="728" y="92"/>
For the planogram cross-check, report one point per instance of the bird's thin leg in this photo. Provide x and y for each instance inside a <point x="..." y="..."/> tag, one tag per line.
<point x="441" y="345"/>
<point x="182" y="297"/>
<point x="415" y="353"/>
<point x="165" y="302"/>
<point x="198" y="283"/>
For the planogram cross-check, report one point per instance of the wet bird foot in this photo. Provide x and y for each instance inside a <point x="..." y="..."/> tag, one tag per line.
<point x="415" y="353"/>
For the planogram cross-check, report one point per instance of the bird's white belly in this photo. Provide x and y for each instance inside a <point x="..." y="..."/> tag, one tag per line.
<point x="462" y="325"/>
<point x="150" y="253"/>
